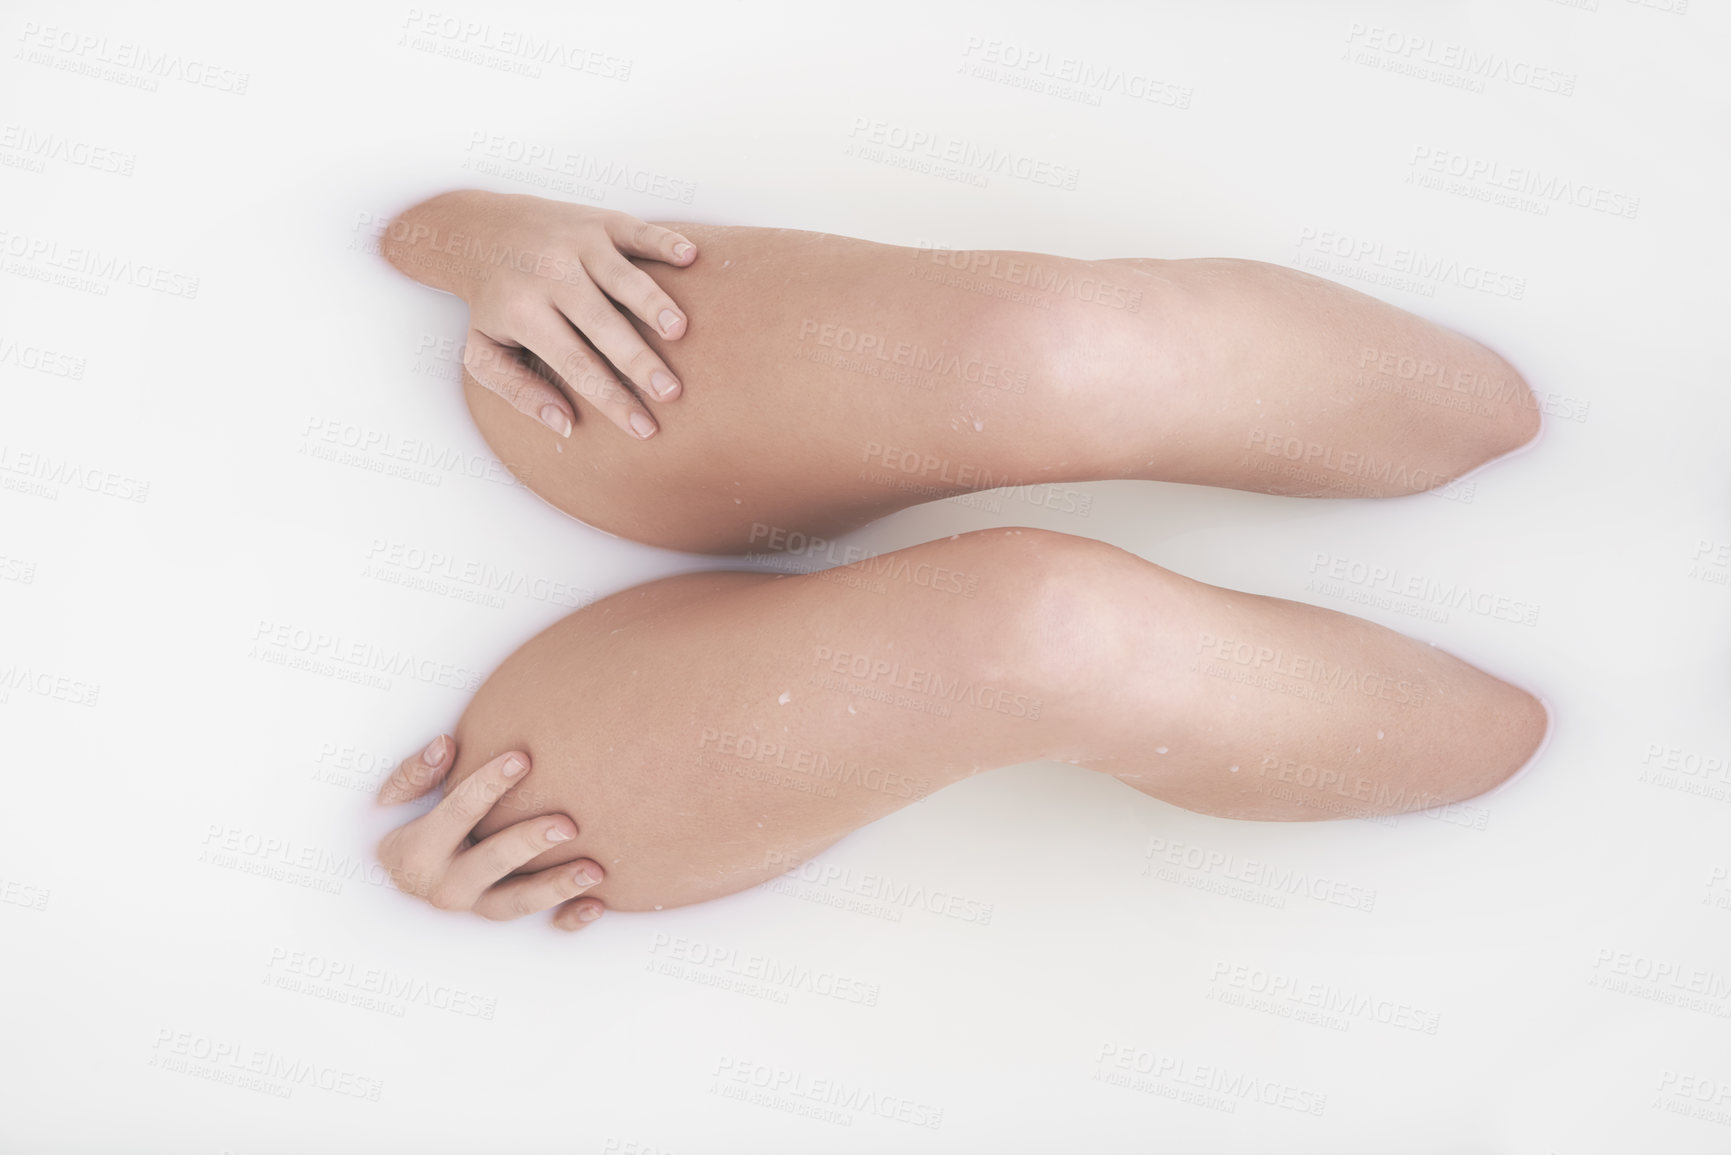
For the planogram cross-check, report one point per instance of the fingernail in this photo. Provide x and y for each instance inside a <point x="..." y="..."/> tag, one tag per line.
<point x="667" y="320"/>
<point x="514" y="766"/>
<point x="435" y="751"/>
<point x="664" y="385"/>
<point x="587" y="877"/>
<point x="683" y="250"/>
<point x="558" y="834"/>
<point x="641" y="425"/>
<point x="588" y="914"/>
<point x="554" y="418"/>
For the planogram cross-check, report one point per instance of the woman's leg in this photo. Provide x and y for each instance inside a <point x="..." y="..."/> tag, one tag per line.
<point x="830" y="381"/>
<point x="708" y="731"/>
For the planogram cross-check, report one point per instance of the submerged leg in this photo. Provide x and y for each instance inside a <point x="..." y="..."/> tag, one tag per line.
<point x="830" y="381"/>
<point x="711" y="730"/>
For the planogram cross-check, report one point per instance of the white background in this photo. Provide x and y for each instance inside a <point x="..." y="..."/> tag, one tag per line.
<point x="190" y="900"/>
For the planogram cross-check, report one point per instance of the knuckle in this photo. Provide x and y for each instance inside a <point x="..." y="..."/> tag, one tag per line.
<point x="520" y="311"/>
<point x="411" y="879"/>
<point x="465" y="807"/>
<point x="417" y="866"/>
<point x="575" y="365"/>
<point x="593" y="316"/>
<point x="621" y="277"/>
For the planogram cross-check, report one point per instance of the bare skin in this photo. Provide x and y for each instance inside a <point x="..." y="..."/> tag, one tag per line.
<point x="825" y="382"/>
<point x="829" y="381"/>
<point x="711" y="730"/>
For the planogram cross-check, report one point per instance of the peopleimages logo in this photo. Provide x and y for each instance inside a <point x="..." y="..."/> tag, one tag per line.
<point x="1041" y="71"/>
<point x="918" y="680"/>
<point x="225" y="1060"/>
<point x="1396" y="582"/>
<point x="1257" y="872"/>
<point x="1304" y="668"/>
<point x="103" y="268"/>
<point x="1424" y="56"/>
<point x="917" y="358"/>
<point x="1411" y="262"/>
<point x="752" y="748"/>
<point x="1523" y="179"/>
<point x="800" y="1088"/>
<point x="874" y="138"/>
<point x="90" y="54"/>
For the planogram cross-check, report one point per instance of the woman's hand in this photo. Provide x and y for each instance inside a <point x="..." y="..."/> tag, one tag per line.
<point x="542" y="275"/>
<point x="435" y="858"/>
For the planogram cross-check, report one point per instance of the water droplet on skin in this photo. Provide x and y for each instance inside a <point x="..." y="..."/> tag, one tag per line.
<point x="1159" y="749"/>
<point x="1232" y="769"/>
<point x="1379" y="735"/>
<point x="785" y="698"/>
<point x="658" y="906"/>
<point x="978" y="425"/>
<point x="850" y="708"/>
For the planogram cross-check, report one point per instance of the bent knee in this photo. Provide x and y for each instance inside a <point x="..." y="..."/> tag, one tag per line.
<point x="1068" y="613"/>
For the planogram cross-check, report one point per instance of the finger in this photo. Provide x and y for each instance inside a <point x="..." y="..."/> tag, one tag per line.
<point x="443" y="829"/>
<point x="579" y="914"/>
<point x="543" y="890"/>
<point x="637" y="291"/>
<point x="419" y="774"/>
<point x="497" y="368"/>
<point x="485" y="863"/>
<point x="552" y="339"/>
<point x="600" y="320"/>
<point x="652" y="242"/>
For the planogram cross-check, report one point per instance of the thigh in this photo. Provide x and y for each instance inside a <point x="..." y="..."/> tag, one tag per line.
<point x="828" y="381"/>
<point x="711" y="730"/>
